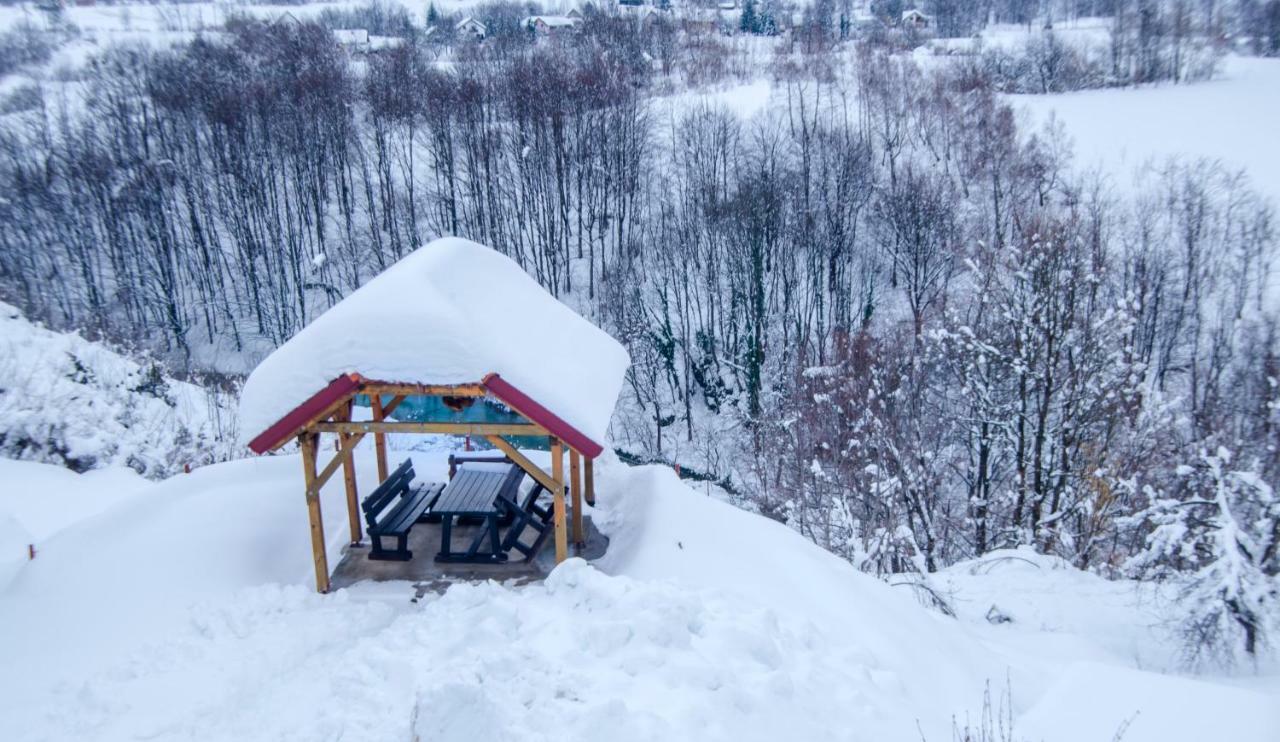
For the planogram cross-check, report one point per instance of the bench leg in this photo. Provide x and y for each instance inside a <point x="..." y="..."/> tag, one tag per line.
<point x="400" y="554"/>
<point x="494" y="544"/>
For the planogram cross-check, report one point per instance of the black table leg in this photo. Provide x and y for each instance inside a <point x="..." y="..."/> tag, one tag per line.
<point x="446" y="537"/>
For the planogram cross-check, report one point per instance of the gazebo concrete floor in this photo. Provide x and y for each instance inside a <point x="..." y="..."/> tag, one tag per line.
<point x="428" y="575"/>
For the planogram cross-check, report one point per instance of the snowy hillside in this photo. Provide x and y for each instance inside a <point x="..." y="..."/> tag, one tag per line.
<point x="68" y="401"/>
<point x="703" y="622"/>
<point x="981" y="393"/>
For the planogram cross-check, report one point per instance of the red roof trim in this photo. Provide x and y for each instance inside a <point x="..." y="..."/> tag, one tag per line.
<point x="527" y="406"/>
<point x="347" y="384"/>
<point x="289" y="425"/>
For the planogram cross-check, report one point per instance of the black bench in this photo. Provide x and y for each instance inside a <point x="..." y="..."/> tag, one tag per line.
<point x="476" y="495"/>
<point x="527" y="515"/>
<point x="392" y="509"/>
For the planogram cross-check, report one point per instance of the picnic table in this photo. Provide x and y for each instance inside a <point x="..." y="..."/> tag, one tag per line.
<point x="473" y="493"/>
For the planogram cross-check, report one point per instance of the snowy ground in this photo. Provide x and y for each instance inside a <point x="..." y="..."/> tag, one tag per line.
<point x="183" y="611"/>
<point x="1232" y="118"/>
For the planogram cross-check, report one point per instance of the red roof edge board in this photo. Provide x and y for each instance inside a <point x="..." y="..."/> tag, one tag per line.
<point x="289" y="425"/>
<point x="527" y="406"/>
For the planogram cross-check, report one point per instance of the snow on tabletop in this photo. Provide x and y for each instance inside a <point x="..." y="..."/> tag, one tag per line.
<point x="450" y="312"/>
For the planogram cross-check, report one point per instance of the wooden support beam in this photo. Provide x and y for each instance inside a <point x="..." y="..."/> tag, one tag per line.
<point x="424" y="390"/>
<point x="523" y="462"/>
<point x="349" y="442"/>
<point x="309" y="442"/>
<point x="393" y="404"/>
<point x="589" y="480"/>
<point x="392" y="426"/>
<point x="557" y="475"/>
<point x="575" y="491"/>
<point x="379" y="439"/>
<point x="345" y="447"/>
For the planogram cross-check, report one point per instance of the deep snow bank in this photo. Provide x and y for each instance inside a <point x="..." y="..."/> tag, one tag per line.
<point x="185" y="612"/>
<point x="39" y="500"/>
<point x="662" y="529"/>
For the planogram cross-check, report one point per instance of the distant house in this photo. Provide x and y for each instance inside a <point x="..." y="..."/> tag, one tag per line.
<point x="546" y="25"/>
<point x="471" y="27"/>
<point x="385" y="43"/>
<point x="574" y="14"/>
<point x="354" y="40"/>
<point x="643" y="14"/>
<point x="915" y="19"/>
<point x="286" y="19"/>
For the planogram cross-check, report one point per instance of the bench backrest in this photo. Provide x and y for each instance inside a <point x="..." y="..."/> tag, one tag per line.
<point x="511" y="485"/>
<point x="455" y="461"/>
<point x="387" y="492"/>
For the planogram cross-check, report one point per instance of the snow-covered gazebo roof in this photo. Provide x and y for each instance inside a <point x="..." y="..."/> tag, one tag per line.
<point x="451" y="312"/>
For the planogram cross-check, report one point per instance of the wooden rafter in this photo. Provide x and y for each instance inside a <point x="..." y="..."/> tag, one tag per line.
<point x="394" y="426"/>
<point x="423" y="390"/>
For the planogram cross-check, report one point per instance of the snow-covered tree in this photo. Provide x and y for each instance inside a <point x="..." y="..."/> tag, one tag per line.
<point x="1217" y="534"/>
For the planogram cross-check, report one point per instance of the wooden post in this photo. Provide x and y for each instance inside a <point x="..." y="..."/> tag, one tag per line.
<point x="557" y="476"/>
<point x="349" y="479"/>
<point x="589" y="476"/>
<point x="575" y="490"/>
<point x="309" y="442"/>
<point x="379" y="439"/>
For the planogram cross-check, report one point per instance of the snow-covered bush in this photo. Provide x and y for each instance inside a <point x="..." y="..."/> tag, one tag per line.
<point x="65" y="400"/>
<point x="1218" y="534"/>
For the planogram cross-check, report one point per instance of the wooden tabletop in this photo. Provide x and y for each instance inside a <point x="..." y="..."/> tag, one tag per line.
<point x="471" y="492"/>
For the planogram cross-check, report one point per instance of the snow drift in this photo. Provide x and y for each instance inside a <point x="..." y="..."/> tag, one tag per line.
<point x="450" y="312"/>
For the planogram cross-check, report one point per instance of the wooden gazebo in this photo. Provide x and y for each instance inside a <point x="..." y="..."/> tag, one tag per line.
<point x="330" y="411"/>
<point x="449" y="325"/>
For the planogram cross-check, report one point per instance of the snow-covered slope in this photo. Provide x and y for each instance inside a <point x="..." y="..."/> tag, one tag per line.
<point x="1074" y="641"/>
<point x="38" y="501"/>
<point x="69" y="401"/>
<point x="185" y="612"/>
<point x="203" y="626"/>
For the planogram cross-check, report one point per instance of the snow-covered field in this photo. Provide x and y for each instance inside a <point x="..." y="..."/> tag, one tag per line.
<point x="1232" y="119"/>
<point x="183" y="611"/>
